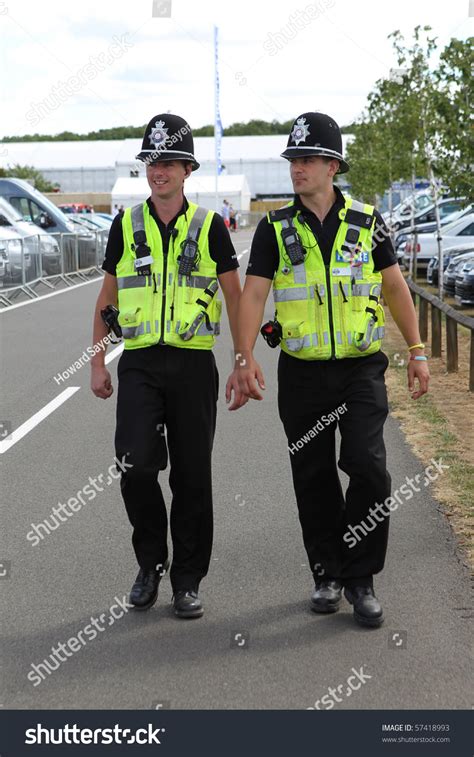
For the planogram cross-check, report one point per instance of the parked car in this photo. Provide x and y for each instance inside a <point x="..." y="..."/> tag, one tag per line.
<point x="76" y="207"/>
<point x="449" y="280"/>
<point x="457" y="232"/>
<point x="92" y="221"/>
<point x="432" y="273"/>
<point x="420" y="201"/>
<point x="4" y="264"/>
<point x="425" y="228"/>
<point x="35" y="207"/>
<point x="446" y="206"/>
<point x="464" y="283"/>
<point x="12" y="243"/>
<point x="35" y="240"/>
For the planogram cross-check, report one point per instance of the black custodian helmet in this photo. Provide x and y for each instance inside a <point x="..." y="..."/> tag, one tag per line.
<point x="315" y="134"/>
<point x="168" y="137"/>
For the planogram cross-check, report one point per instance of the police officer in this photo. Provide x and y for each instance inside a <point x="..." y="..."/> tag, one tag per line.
<point x="164" y="261"/>
<point x="329" y="257"/>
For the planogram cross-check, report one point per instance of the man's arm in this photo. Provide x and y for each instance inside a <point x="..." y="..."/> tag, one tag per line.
<point x="251" y="309"/>
<point x="230" y="285"/>
<point x="101" y="383"/>
<point x="399" y="301"/>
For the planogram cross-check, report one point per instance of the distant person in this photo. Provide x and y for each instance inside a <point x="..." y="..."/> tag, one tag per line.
<point x="232" y="219"/>
<point x="115" y="210"/>
<point x="225" y="213"/>
<point x="121" y="209"/>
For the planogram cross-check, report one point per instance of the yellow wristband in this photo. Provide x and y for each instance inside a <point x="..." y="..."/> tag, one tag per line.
<point x="417" y="346"/>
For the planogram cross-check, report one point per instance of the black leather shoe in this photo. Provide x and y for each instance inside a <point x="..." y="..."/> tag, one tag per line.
<point x="186" y="604"/>
<point x="367" y="609"/>
<point x="327" y="595"/>
<point x="145" y="589"/>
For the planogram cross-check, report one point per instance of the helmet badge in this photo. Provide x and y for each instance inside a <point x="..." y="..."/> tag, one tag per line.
<point x="159" y="134"/>
<point x="300" y="131"/>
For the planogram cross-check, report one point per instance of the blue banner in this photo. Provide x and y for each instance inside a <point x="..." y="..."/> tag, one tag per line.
<point x="217" y="115"/>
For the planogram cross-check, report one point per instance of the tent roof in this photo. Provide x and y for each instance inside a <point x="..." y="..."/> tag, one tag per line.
<point x="233" y="184"/>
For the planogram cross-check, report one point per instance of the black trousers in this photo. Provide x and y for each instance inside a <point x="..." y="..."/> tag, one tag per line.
<point x="166" y="405"/>
<point x="307" y="391"/>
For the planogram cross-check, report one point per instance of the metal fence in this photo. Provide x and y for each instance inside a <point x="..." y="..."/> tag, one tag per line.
<point x="453" y="318"/>
<point x="31" y="263"/>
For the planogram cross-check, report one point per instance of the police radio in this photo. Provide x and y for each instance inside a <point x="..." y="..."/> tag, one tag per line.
<point x="272" y="332"/>
<point x="187" y="259"/>
<point x="293" y="247"/>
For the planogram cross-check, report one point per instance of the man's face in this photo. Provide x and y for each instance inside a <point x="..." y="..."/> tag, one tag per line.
<point x="311" y="174"/>
<point x="166" y="177"/>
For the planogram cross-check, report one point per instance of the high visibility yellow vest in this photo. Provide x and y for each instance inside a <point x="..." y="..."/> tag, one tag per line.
<point x="164" y="306"/>
<point x="329" y="311"/>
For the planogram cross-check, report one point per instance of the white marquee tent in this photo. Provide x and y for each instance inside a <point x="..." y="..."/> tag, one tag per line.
<point x="198" y="189"/>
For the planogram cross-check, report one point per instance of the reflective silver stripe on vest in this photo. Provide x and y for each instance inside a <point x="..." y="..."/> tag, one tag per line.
<point x="138" y="219"/>
<point x="133" y="282"/>
<point x="130" y="332"/>
<point x="170" y="278"/>
<point x="196" y="222"/>
<point x="201" y="331"/>
<point x="299" y="273"/>
<point x="336" y="290"/>
<point x="288" y="295"/>
<point x="338" y="337"/>
<point x="326" y="337"/>
<point x="295" y="345"/>
<point x="377" y="334"/>
<point x="200" y="282"/>
<point x="363" y="290"/>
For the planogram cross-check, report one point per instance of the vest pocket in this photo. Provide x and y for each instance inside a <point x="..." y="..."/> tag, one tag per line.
<point x="293" y="333"/>
<point x="131" y="323"/>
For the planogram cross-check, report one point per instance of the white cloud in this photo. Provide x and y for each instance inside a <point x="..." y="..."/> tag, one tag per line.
<point x="331" y="64"/>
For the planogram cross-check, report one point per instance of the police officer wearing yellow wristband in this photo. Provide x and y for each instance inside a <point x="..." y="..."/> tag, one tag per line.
<point x="165" y="261"/>
<point x="330" y="258"/>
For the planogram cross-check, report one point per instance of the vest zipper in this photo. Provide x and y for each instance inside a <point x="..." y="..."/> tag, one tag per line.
<point x="163" y="294"/>
<point x="331" y="324"/>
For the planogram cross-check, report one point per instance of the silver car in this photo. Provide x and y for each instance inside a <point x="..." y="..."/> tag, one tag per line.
<point x="40" y="249"/>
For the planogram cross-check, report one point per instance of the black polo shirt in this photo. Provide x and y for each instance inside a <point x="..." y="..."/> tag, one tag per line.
<point x="221" y="248"/>
<point x="265" y="256"/>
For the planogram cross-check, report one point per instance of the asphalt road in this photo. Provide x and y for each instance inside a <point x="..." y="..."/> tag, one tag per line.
<point x="258" y="644"/>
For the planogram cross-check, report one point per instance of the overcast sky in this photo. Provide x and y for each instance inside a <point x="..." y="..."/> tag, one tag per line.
<point x="101" y="63"/>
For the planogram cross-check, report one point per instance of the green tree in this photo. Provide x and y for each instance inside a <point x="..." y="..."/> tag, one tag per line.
<point x="28" y="172"/>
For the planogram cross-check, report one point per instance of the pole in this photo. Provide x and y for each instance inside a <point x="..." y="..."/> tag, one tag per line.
<point x="217" y="118"/>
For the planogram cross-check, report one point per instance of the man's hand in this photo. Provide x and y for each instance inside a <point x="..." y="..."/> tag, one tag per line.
<point x="232" y="385"/>
<point x="101" y="382"/>
<point x="250" y="377"/>
<point x="418" y="369"/>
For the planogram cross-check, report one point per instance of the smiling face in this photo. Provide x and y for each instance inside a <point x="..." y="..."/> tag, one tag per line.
<point x="312" y="174"/>
<point x="166" y="178"/>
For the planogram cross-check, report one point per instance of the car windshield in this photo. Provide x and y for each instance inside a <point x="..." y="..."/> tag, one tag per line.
<point x="451" y="229"/>
<point x="10" y="213"/>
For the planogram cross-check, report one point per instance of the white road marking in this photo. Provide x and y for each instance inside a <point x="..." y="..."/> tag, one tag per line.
<point x="47" y="296"/>
<point x="35" y="419"/>
<point x="242" y="254"/>
<point x="115" y="353"/>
